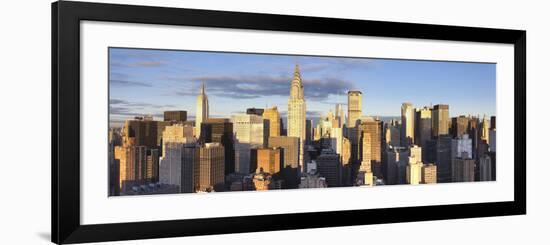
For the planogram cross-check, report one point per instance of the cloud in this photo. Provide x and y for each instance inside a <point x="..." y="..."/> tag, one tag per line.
<point x="126" y="83"/>
<point x="255" y="86"/>
<point x="124" y="108"/>
<point x="147" y="64"/>
<point x="136" y="104"/>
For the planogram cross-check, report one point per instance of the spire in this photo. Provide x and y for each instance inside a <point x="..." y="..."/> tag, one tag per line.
<point x="296" y="87"/>
<point x="202" y="88"/>
<point x="297" y="76"/>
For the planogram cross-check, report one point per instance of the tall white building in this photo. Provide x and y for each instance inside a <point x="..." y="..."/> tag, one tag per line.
<point x="248" y="130"/>
<point x="339" y="115"/>
<point x="202" y="112"/>
<point x="355" y="104"/>
<point x="485" y="129"/>
<point x="177" y="133"/>
<point x="297" y="113"/>
<point x="178" y="165"/>
<point x="407" y="124"/>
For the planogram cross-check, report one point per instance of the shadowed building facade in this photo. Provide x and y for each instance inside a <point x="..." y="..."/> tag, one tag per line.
<point x="175" y="116"/>
<point x="328" y="166"/>
<point x="459" y="126"/>
<point x="220" y="130"/>
<point x="211" y="173"/>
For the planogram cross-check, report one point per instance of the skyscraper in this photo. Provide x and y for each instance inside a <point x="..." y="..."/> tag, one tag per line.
<point x="339" y="115"/>
<point x="461" y="145"/>
<point x="463" y="169"/>
<point x="355" y="103"/>
<point x="202" y="112"/>
<point x="211" y="168"/>
<point x="392" y="134"/>
<point x="297" y="113"/>
<point x="328" y="166"/>
<point x="132" y="163"/>
<point x="255" y="111"/>
<point x="291" y="149"/>
<point x="414" y="167"/>
<point x="485" y="173"/>
<point x="485" y="129"/>
<point x="459" y="126"/>
<point x="309" y="131"/>
<point x="179" y="165"/>
<point x="177" y="133"/>
<point x="175" y="116"/>
<point x="249" y="129"/>
<point x="444" y="159"/>
<point x="274" y="118"/>
<point x="423" y="126"/>
<point x="143" y="130"/>
<point x="372" y="128"/>
<point x="152" y="165"/>
<point x="220" y="130"/>
<point x="365" y="169"/>
<point x="396" y="164"/>
<point x="269" y="160"/>
<point x="429" y="173"/>
<point x="440" y="120"/>
<point x="407" y="124"/>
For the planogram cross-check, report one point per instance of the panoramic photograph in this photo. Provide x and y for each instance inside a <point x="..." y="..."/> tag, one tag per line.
<point x="183" y="121"/>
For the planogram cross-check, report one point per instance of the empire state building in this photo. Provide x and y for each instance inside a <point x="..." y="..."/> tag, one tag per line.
<point x="201" y="113"/>
<point x="297" y="113"/>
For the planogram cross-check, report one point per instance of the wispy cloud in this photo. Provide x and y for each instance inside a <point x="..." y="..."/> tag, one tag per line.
<point x="147" y="63"/>
<point x="255" y="86"/>
<point x="126" y="83"/>
<point x="137" y="104"/>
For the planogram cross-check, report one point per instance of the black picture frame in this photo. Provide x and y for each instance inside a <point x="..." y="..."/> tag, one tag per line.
<point x="66" y="18"/>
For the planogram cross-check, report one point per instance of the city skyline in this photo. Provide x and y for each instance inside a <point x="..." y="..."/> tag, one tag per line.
<point x="156" y="153"/>
<point x="146" y="81"/>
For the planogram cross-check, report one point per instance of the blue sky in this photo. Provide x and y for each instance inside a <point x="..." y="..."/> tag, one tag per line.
<point x="143" y="81"/>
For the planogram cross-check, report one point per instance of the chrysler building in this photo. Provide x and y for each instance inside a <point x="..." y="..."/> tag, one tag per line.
<point x="297" y="113"/>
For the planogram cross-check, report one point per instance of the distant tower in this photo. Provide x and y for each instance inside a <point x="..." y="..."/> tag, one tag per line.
<point x="407" y="124"/>
<point x="297" y="113"/>
<point x="485" y="129"/>
<point x="201" y="114"/>
<point x="440" y="120"/>
<point x="355" y="101"/>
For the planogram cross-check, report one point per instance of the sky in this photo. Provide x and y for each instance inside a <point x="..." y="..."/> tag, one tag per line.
<point x="148" y="82"/>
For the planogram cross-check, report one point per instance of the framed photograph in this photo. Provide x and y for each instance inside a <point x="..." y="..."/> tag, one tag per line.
<point x="174" y="122"/>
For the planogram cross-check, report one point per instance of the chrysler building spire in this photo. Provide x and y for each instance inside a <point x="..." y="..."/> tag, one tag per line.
<point x="297" y="113"/>
<point x="296" y="87"/>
